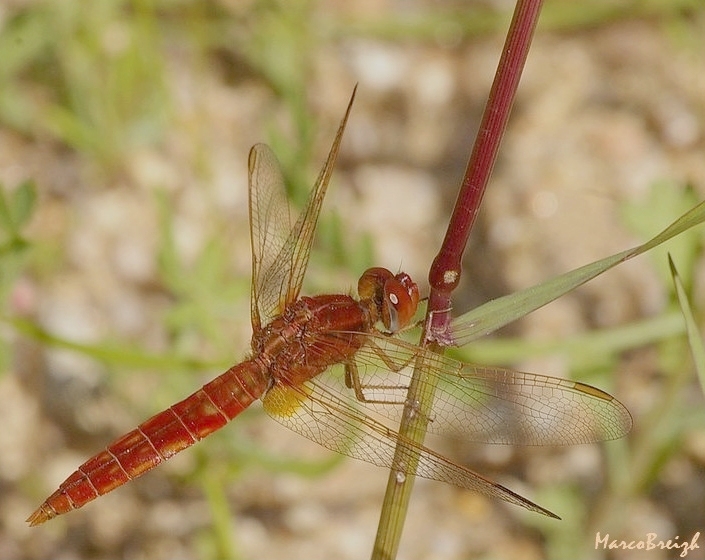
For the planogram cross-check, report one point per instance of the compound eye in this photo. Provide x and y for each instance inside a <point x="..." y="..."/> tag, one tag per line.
<point x="401" y="298"/>
<point x="371" y="283"/>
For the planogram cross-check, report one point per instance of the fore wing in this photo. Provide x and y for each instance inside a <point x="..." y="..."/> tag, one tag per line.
<point x="483" y="404"/>
<point x="280" y="251"/>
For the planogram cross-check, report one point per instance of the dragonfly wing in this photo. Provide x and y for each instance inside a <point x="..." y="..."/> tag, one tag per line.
<point x="270" y="225"/>
<point x="280" y="252"/>
<point x="485" y="404"/>
<point x="339" y="424"/>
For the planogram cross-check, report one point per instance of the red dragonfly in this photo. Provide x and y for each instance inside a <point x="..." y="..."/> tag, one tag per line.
<point x="295" y="342"/>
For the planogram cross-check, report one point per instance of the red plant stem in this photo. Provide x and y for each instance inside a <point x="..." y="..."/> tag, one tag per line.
<point x="444" y="275"/>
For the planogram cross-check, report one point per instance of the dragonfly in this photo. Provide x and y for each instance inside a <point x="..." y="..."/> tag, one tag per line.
<point x="333" y="368"/>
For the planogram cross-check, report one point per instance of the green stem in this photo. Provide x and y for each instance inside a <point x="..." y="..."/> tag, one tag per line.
<point x="445" y="274"/>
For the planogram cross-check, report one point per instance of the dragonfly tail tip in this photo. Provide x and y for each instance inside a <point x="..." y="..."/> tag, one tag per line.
<point x="41" y="515"/>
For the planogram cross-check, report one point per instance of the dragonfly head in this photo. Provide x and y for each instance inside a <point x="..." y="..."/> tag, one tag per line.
<point x="395" y="297"/>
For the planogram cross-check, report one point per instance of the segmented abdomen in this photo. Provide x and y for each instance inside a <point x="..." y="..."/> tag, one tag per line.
<point x="157" y="439"/>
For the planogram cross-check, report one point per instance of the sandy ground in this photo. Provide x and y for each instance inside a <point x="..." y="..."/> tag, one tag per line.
<point x="602" y="116"/>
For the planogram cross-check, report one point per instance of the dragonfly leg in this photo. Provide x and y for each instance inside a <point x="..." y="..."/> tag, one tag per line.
<point x="387" y="360"/>
<point x="353" y="381"/>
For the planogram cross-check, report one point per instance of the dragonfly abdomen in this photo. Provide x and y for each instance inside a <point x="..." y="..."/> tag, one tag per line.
<point x="158" y="439"/>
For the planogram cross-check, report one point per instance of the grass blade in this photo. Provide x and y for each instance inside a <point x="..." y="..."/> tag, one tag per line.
<point x="695" y="338"/>
<point x="501" y="311"/>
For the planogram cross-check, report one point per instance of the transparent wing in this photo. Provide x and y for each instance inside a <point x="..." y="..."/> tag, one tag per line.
<point x="280" y="251"/>
<point x="337" y="423"/>
<point x="270" y="226"/>
<point x="482" y="404"/>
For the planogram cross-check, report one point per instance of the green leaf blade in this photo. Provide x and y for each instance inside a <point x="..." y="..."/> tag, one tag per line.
<point x="695" y="338"/>
<point x="499" y="312"/>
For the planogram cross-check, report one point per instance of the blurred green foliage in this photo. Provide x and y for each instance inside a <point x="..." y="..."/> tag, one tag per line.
<point x="90" y="74"/>
<point x="16" y="208"/>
